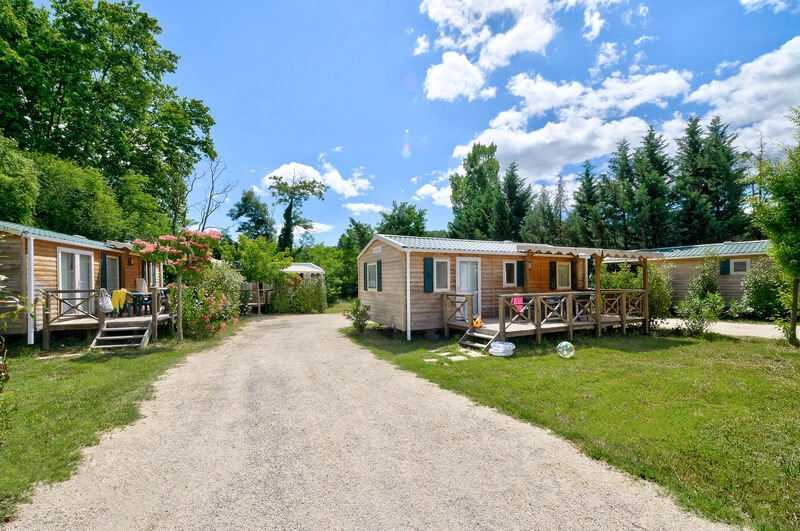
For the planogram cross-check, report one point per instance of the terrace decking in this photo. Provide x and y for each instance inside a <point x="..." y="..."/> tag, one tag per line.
<point x="530" y="314"/>
<point x="78" y="310"/>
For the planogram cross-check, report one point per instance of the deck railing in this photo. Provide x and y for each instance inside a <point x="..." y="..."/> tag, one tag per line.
<point x="571" y="311"/>
<point x="77" y="309"/>
<point x="457" y="307"/>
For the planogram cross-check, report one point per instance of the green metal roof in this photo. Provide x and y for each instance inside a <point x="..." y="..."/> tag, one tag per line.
<point x="19" y="230"/>
<point x="720" y="249"/>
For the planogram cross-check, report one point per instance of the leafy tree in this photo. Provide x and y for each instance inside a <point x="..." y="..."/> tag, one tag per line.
<point x="255" y="215"/>
<point x="778" y="214"/>
<point x="476" y="194"/>
<point x="19" y="184"/>
<point x="293" y="192"/>
<point x="352" y="241"/>
<point x="141" y="215"/>
<point x="404" y="220"/>
<point x="76" y="200"/>
<point x="331" y="260"/>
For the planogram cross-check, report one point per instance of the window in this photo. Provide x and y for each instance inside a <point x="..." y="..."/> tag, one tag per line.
<point x="441" y="276"/>
<point x="372" y="276"/>
<point x="740" y="267"/>
<point x="509" y="273"/>
<point x="564" y="276"/>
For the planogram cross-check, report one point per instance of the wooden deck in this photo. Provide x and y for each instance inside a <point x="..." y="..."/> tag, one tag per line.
<point x="536" y="314"/>
<point x="78" y="310"/>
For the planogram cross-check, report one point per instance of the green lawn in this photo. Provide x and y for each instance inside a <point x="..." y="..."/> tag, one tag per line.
<point x="54" y="406"/>
<point x="715" y="420"/>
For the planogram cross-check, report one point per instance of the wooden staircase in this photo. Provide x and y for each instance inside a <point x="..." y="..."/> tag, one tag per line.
<point x="123" y="333"/>
<point x="479" y="338"/>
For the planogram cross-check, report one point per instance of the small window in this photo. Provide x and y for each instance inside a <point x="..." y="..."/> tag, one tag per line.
<point x="372" y="276"/>
<point x="739" y="267"/>
<point x="564" y="276"/>
<point x="441" y="277"/>
<point x="509" y="273"/>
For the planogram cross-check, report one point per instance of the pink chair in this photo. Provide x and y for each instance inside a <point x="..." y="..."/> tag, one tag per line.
<point x="516" y="303"/>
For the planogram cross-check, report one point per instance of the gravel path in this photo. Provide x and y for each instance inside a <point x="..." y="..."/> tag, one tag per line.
<point x="288" y="425"/>
<point x="728" y="328"/>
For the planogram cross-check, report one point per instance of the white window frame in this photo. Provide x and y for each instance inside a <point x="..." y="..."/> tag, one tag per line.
<point x="436" y="286"/>
<point x="746" y="261"/>
<point x="506" y="281"/>
<point x="559" y="267"/>
<point x="372" y="276"/>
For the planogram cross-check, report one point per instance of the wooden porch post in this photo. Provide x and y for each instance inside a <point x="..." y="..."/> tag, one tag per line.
<point x="645" y="303"/>
<point x="598" y="309"/>
<point x="46" y="322"/>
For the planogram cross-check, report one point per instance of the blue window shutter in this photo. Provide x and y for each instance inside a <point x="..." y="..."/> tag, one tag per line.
<point x="427" y="275"/>
<point x="725" y="267"/>
<point x="520" y="273"/>
<point x="379" y="276"/>
<point x="366" y="282"/>
<point x="553" y="275"/>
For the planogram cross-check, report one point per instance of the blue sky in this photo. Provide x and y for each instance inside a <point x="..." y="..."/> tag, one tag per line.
<point x="381" y="100"/>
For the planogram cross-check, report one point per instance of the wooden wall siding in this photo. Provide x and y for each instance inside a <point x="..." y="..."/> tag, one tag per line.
<point x="387" y="307"/>
<point x="539" y="273"/>
<point x="730" y="286"/>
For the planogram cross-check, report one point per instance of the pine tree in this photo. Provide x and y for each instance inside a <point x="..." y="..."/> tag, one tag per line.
<point x="653" y="224"/>
<point x="476" y="194"/>
<point x="694" y="218"/>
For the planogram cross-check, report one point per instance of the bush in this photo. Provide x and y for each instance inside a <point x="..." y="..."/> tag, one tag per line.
<point x="212" y="303"/>
<point x="763" y="286"/>
<point x="298" y="295"/>
<point x="699" y="312"/>
<point x="707" y="281"/>
<point x="659" y="286"/>
<point x="359" y="315"/>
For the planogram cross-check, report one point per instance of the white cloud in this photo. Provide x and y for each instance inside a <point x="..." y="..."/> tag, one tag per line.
<point x="759" y="95"/>
<point x="608" y="55"/>
<point x="359" y="209"/>
<point x="643" y="39"/>
<point x="455" y="77"/>
<point x="422" y="46"/>
<point x="592" y="24"/>
<point x="337" y="149"/>
<point x="329" y="175"/>
<point x="439" y="196"/>
<point x="756" y="5"/>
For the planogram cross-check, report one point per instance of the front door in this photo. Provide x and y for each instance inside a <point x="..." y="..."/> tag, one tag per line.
<point x="468" y="275"/>
<point x="75" y="273"/>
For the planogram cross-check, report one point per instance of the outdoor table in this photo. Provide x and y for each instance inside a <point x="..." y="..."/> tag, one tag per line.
<point x="142" y="300"/>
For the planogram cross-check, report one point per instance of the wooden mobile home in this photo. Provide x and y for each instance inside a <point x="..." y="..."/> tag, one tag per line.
<point x="37" y="261"/>
<point x="736" y="259"/>
<point x="409" y="282"/>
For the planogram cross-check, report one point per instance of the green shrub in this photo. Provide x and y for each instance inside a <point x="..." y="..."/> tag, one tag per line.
<point x="762" y="287"/>
<point x="699" y="312"/>
<point x="359" y="315"/>
<point x="659" y="286"/>
<point x="298" y="295"/>
<point x="211" y="303"/>
<point x="706" y="281"/>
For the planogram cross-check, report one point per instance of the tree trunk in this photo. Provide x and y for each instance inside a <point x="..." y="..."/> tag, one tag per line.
<point x="180" y="307"/>
<point x="793" y="321"/>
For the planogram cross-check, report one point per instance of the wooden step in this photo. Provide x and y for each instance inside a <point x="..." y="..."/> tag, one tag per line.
<point x="110" y="336"/>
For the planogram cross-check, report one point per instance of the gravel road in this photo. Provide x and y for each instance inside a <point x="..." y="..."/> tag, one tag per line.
<point x="288" y="425"/>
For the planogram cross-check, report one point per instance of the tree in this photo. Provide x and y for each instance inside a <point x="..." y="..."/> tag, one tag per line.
<point x="329" y="259"/>
<point x="616" y="193"/>
<point x="652" y="210"/>
<point x="587" y="221"/>
<point x="727" y="174"/>
<point x="352" y="241"/>
<point x="476" y="194"/>
<point x="404" y="220"/>
<point x="695" y="219"/>
<point x="260" y="259"/>
<point x="76" y="200"/>
<point x="142" y="217"/>
<point x="778" y="214"/>
<point x="255" y="215"/>
<point x="185" y="255"/>
<point x="19" y="185"/>
<point x="293" y="192"/>
<point x="517" y="199"/>
<point x="542" y="224"/>
<point x="217" y="190"/>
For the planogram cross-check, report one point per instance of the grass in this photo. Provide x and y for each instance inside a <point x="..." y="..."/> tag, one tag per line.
<point x="715" y="420"/>
<point x="55" y="405"/>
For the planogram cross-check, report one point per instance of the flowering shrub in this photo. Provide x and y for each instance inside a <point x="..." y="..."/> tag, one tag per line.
<point x="211" y="304"/>
<point x="359" y="315"/>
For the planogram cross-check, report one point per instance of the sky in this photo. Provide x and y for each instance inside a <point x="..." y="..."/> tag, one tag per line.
<point x="381" y="100"/>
